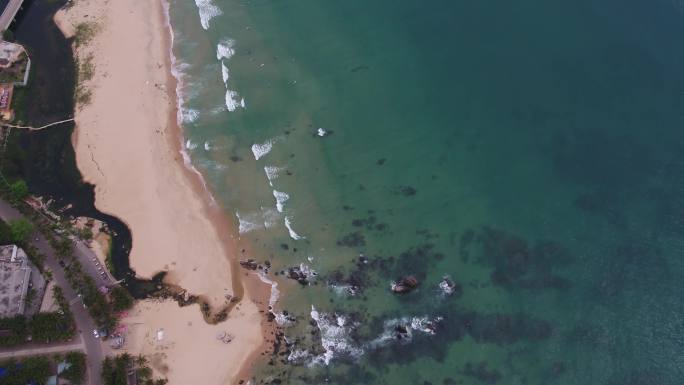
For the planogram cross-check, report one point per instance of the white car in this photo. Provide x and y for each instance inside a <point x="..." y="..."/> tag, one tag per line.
<point x="96" y="334"/>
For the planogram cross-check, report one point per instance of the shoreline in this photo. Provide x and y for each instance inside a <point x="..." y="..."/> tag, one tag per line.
<point x="246" y="306"/>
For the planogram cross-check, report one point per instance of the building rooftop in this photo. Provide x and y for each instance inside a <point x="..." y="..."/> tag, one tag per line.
<point x="14" y="280"/>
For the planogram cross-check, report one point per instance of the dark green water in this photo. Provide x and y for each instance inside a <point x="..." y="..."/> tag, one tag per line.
<point x="531" y="150"/>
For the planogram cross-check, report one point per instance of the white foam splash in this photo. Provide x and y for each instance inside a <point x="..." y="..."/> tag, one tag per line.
<point x="281" y="198"/>
<point x="265" y="218"/>
<point x="293" y="234"/>
<point x="207" y="11"/>
<point x="275" y="293"/>
<point x="224" y="49"/>
<point x="283" y="320"/>
<point x="188" y="115"/>
<point x="335" y="338"/>
<point x="446" y="286"/>
<point x="272" y="173"/>
<point x="344" y="289"/>
<point x="242" y="103"/>
<point x="207" y="146"/>
<point x="225" y="74"/>
<point x="177" y="69"/>
<point x="261" y="149"/>
<point x="321" y="132"/>
<point x="231" y="103"/>
<point x="190" y="145"/>
<point x="423" y="324"/>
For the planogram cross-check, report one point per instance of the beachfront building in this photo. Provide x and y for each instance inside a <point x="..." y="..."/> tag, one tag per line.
<point x="15" y="66"/>
<point x="15" y="275"/>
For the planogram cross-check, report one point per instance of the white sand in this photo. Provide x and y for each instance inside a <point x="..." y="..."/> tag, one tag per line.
<point x="127" y="144"/>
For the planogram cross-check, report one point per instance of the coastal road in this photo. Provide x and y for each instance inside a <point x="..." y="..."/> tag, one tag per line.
<point x="9" y="13"/>
<point x="84" y="324"/>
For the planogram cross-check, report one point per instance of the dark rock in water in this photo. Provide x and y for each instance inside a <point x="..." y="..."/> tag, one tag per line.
<point x="302" y="274"/>
<point x="382" y="161"/>
<point x="249" y="264"/>
<point x="235" y="158"/>
<point x="406" y="191"/>
<point x="481" y="373"/>
<point x="354" y="239"/>
<point x="401" y="332"/>
<point x="405" y="284"/>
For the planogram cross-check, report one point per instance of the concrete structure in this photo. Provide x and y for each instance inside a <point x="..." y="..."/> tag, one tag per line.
<point x="15" y="63"/>
<point x="9" y="13"/>
<point x="15" y="274"/>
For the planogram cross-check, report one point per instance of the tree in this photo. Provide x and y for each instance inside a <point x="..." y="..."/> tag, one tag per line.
<point x="121" y="299"/>
<point x="20" y="230"/>
<point x="76" y="371"/>
<point x="19" y="190"/>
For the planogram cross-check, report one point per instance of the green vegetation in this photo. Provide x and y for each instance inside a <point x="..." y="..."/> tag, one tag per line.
<point x="15" y="73"/>
<point x="42" y="327"/>
<point x="19" y="189"/>
<point x="76" y="372"/>
<point x="20" y="229"/>
<point x="84" y="33"/>
<point x="115" y="370"/>
<point x="86" y="69"/>
<point x="121" y="299"/>
<point x="8" y="35"/>
<point x="86" y="233"/>
<point x="83" y="95"/>
<point x="26" y="371"/>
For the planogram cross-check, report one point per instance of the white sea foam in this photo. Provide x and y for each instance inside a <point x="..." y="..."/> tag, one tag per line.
<point x="408" y="325"/>
<point x="272" y="173"/>
<point x="281" y="198"/>
<point x="242" y="103"/>
<point x="265" y="218"/>
<point x="231" y="103"/>
<point x="321" y="132"/>
<point x="293" y="234"/>
<point x="344" y="289"/>
<point x="261" y="149"/>
<point x="190" y="145"/>
<point x="335" y="337"/>
<point x="207" y="11"/>
<point x="188" y="115"/>
<point x="207" y="146"/>
<point x="177" y="69"/>
<point x="283" y="319"/>
<point x="275" y="293"/>
<point x="224" y="49"/>
<point x="225" y="73"/>
<point x="248" y="223"/>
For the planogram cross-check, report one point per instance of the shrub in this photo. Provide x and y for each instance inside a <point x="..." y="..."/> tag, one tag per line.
<point x="20" y="229"/>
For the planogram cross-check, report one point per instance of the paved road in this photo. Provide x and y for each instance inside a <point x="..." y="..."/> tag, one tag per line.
<point x="85" y="324"/>
<point x="9" y="13"/>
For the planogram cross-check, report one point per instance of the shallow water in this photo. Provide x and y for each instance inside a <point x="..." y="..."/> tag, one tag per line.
<point x="531" y="151"/>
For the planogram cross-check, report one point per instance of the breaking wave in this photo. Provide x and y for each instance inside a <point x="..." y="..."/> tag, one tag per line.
<point x="261" y="149"/>
<point x="263" y="219"/>
<point x="272" y="173"/>
<point x="207" y="11"/>
<point x="224" y="49"/>
<point x="281" y="198"/>
<point x="293" y="234"/>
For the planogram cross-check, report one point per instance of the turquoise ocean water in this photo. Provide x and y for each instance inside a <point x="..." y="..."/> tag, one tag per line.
<point x="530" y="151"/>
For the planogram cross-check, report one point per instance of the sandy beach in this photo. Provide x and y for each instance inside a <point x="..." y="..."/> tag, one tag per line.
<point x="128" y="144"/>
